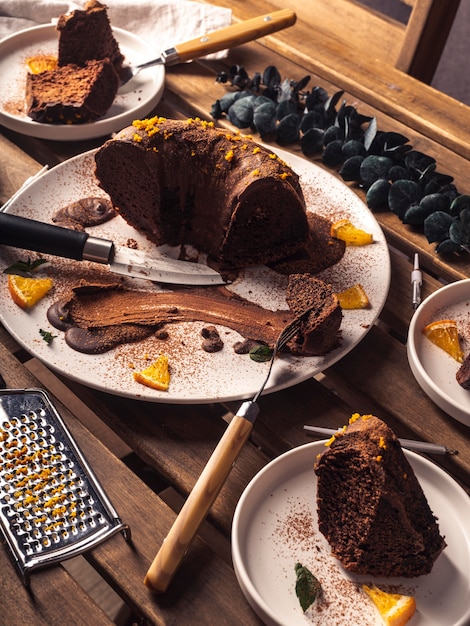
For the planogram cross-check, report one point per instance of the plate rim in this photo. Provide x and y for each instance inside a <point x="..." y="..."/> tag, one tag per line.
<point x="254" y="598"/>
<point x="91" y="130"/>
<point x="442" y="399"/>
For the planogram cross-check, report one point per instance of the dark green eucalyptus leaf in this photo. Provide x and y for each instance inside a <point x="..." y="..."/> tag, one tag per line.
<point x="403" y="193"/>
<point x="353" y="147"/>
<point x="447" y="247"/>
<point x="436" y="226"/>
<point x="374" y="167"/>
<point x="377" y="194"/>
<point x="351" y="169"/>
<point x="311" y="142"/>
<point x="459" y="234"/>
<point x="333" y="133"/>
<point x="416" y="214"/>
<point x="332" y="155"/>
<point x="459" y="203"/>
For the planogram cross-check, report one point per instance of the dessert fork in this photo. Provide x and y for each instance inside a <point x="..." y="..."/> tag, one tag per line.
<point x="227" y="37"/>
<point x="211" y="480"/>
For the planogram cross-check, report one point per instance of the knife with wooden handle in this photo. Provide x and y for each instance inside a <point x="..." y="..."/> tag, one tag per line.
<point x="20" y="232"/>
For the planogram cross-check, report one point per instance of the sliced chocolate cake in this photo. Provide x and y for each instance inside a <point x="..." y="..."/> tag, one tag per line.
<point x="371" y="507"/>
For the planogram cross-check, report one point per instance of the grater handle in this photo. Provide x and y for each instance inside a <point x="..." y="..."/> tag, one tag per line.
<point x="201" y="498"/>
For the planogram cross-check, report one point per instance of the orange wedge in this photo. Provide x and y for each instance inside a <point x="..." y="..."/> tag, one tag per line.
<point x="353" y="298"/>
<point x="394" y="608"/>
<point x="156" y="375"/>
<point x="27" y="291"/>
<point x="41" y="63"/>
<point x="444" y="334"/>
<point x="352" y="236"/>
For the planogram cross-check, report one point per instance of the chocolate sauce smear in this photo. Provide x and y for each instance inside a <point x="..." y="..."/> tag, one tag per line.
<point x="97" y="317"/>
<point x="84" y="212"/>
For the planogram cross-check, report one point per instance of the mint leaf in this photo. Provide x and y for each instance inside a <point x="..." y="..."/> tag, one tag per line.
<point x="260" y="354"/>
<point x="46" y="335"/>
<point x="307" y="587"/>
<point x="24" y="268"/>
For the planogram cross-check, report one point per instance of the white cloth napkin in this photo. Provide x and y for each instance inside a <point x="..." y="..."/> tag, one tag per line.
<point x="160" y="23"/>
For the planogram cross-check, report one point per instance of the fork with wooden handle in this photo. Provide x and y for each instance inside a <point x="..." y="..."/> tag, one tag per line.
<point x="217" y="40"/>
<point x="210" y="482"/>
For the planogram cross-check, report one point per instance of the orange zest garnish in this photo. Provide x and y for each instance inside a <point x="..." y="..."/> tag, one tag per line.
<point x="350" y="234"/>
<point x="41" y="63"/>
<point x="26" y="292"/>
<point x="156" y="375"/>
<point x="353" y="298"/>
<point x="444" y="333"/>
<point x="395" y="609"/>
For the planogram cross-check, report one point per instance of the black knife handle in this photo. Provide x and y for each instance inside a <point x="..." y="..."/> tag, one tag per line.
<point x="27" y="234"/>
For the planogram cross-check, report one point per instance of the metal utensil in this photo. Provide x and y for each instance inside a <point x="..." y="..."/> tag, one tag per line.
<point x="27" y="234"/>
<point x="52" y="506"/>
<point x="227" y="37"/>
<point x="211" y="481"/>
<point x="410" y="444"/>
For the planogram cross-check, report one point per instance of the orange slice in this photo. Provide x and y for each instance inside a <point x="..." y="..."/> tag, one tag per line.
<point x="27" y="291"/>
<point x="353" y="298"/>
<point x="156" y="375"/>
<point x="394" y="608"/>
<point x="41" y="63"/>
<point x="444" y="334"/>
<point x="352" y="236"/>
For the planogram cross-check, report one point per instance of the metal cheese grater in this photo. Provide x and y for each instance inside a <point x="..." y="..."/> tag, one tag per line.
<point x="51" y="504"/>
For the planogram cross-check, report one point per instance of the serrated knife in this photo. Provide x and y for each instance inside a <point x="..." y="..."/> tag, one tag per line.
<point x="20" y="232"/>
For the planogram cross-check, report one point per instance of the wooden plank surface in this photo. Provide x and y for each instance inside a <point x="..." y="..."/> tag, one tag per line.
<point x="124" y="564"/>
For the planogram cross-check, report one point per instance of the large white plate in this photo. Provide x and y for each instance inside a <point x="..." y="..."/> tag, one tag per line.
<point x="432" y="367"/>
<point x="133" y="101"/>
<point x="196" y="375"/>
<point x="275" y="526"/>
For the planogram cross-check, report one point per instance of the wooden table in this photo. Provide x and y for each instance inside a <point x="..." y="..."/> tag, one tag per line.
<point x="148" y="456"/>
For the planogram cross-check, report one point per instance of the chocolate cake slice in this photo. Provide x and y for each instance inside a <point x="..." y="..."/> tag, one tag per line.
<point x="320" y="331"/>
<point x="371" y="507"/>
<point x="463" y="374"/>
<point x="85" y="35"/>
<point x="71" y="94"/>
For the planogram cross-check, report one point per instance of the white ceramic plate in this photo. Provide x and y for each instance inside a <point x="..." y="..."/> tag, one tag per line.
<point x="275" y="526"/>
<point x="196" y="375"/>
<point x="133" y="101"/>
<point x="432" y="367"/>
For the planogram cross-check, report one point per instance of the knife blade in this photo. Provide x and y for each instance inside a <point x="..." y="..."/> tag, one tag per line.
<point x="21" y="232"/>
<point x="217" y="40"/>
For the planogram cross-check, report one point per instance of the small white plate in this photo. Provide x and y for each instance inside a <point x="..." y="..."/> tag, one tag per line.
<point x="133" y="101"/>
<point x="432" y="367"/>
<point x="275" y="526"/>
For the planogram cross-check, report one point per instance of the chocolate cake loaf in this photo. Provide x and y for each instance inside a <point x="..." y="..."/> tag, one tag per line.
<point x="86" y="35"/>
<point x="189" y="182"/>
<point x="71" y="94"/>
<point x="371" y="507"/>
